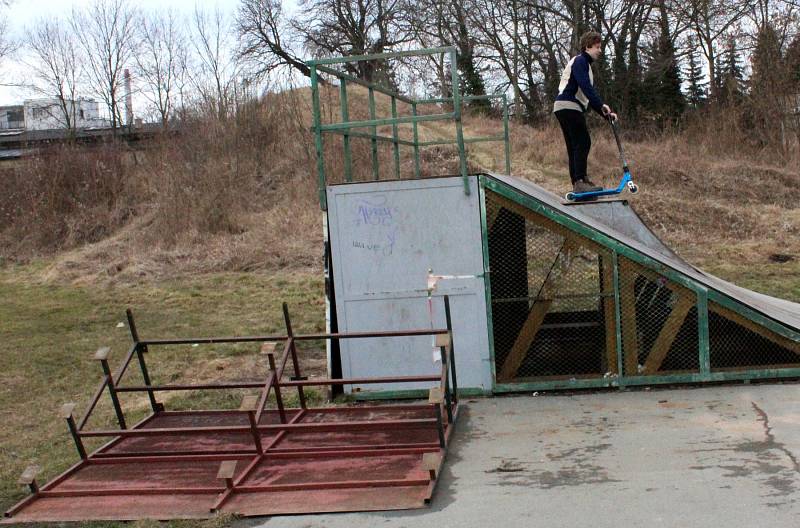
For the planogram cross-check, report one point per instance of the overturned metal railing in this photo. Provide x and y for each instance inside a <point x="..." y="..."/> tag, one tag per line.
<point x="442" y="400"/>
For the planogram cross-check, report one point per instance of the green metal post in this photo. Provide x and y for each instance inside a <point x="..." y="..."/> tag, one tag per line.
<point x="348" y="161"/>
<point x="505" y="135"/>
<point x="375" y="172"/>
<point x="462" y="156"/>
<point x="702" y="332"/>
<point x="416" y="141"/>
<point x="618" y="321"/>
<point x="318" y="138"/>
<point x="394" y="137"/>
<point x="487" y="276"/>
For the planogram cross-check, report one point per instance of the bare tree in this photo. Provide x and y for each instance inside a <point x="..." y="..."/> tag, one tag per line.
<point x="160" y="60"/>
<point x="215" y="77"/>
<point x="710" y="20"/>
<point x="354" y="27"/>
<point x="7" y="46"/>
<point x="267" y="38"/>
<point x="56" y="66"/>
<point x="107" y="30"/>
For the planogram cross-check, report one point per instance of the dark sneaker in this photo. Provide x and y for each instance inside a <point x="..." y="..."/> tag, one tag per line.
<point x="582" y="186"/>
<point x="593" y="184"/>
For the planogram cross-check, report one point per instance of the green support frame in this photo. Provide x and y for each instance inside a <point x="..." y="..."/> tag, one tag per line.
<point x="704" y="295"/>
<point x="346" y="126"/>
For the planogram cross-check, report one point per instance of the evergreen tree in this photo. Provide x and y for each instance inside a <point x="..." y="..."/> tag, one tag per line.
<point x="697" y="86"/>
<point x="662" y="94"/>
<point x="768" y="65"/>
<point x="732" y="75"/>
<point x="793" y="62"/>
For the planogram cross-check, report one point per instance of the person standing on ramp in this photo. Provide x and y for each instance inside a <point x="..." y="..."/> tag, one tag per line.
<point x="576" y="94"/>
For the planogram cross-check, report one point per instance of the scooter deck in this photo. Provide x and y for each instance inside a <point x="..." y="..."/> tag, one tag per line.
<point x="601" y="199"/>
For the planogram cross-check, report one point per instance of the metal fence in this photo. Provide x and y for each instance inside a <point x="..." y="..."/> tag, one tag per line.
<point x="350" y="129"/>
<point x="568" y="310"/>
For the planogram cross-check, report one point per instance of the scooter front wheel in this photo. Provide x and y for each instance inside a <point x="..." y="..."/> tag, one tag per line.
<point x="570" y="196"/>
<point x="633" y="188"/>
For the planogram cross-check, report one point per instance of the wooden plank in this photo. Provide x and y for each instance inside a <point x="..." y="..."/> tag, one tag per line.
<point x="28" y="476"/>
<point x="630" y="338"/>
<point x="547" y="223"/>
<point x="609" y="315"/>
<point x="268" y="347"/>
<point x="766" y="333"/>
<point x="66" y="411"/>
<point x="443" y="340"/>
<point x="491" y="216"/>
<point x="227" y="469"/>
<point x="536" y="315"/>
<point x="668" y="333"/>
<point x="249" y="402"/>
<point x="102" y="353"/>
<point x="436" y="395"/>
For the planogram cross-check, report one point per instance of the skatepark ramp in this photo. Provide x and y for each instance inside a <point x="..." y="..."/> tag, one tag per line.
<point x="587" y="295"/>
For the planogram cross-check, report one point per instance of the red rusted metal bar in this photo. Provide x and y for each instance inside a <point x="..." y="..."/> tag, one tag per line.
<point x="93" y="403"/>
<point x="362" y="335"/>
<point x="343" y="484"/>
<point x="287" y="320"/>
<point x="232" y="453"/>
<point x="359" y="381"/>
<point x="271" y="379"/>
<point x="298" y="337"/>
<point x="207" y="386"/>
<point x="250" y="467"/>
<point x="337" y="453"/>
<point x="123" y="368"/>
<point x="318" y="426"/>
<point x="213" y="340"/>
<point x="141" y="459"/>
<point x="140" y="351"/>
<point x="347" y="449"/>
<point x="93" y="492"/>
<point x="277" y="385"/>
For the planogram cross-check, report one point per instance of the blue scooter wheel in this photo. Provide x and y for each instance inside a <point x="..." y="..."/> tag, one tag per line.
<point x="570" y="197"/>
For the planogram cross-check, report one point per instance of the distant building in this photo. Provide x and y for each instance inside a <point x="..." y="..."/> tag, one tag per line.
<point x="46" y="114"/>
<point x="12" y="117"/>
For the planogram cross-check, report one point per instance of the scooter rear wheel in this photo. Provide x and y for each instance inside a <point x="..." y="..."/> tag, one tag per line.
<point x="633" y="188"/>
<point x="570" y="196"/>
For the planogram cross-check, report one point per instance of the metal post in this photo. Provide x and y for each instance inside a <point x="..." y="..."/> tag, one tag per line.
<point x="66" y="413"/>
<point x="416" y="141"/>
<point x="440" y="425"/>
<point x="323" y="202"/>
<point x="348" y="161"/>
<point x="462" y="156"/>
<point x="618" y="321"/>
<point x="102" y="356"/>
<point x="506" y="135"/>
<point x="452" y="347"/>
<point x="140" y="351"/>
<point x="278" y="399"/>
<point x="702" y="333"/>
<point x="293" y="349"/>
<point x="447" y="398"/>
<point x="394" y="137"/>
<point x="375" y="168"/>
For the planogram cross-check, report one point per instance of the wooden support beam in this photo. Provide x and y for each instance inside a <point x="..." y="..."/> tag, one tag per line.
<point x="431" y="463"/>
<point x="627" y="298"/>
<point x="537" y="313"/>
<point x="609" y="315"/>
<point x="227" y="470"/>
<point x="491" y="216"/>
<point x="668" y="333"/>
<point x="766" y="333"/>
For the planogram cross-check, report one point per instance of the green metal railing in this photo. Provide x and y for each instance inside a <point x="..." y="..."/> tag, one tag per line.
<point x="346" y="126"/>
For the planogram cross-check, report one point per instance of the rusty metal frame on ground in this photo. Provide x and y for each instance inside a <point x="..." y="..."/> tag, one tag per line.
<point x="412" y="436"/>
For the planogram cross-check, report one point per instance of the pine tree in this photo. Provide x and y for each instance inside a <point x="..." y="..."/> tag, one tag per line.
<point x="732" y="75"/>
<point x="793" y="62"/>
<point x="697" y="86"/>
<point x="662" y="94"/>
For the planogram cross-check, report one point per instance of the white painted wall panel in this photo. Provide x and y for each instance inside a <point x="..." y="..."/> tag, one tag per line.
<point x="384" y="238"/>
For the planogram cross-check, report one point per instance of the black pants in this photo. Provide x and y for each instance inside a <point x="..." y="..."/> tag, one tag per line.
<point x="576" y="136"/>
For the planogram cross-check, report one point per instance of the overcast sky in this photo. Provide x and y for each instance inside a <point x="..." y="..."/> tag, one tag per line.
<point x="24" y="13"/>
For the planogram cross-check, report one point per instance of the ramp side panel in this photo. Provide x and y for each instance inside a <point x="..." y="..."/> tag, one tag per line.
<point x="778" y="310"/>
<point x="385" y="236"/>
